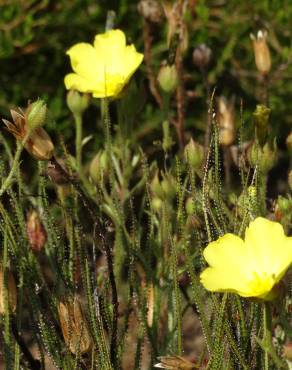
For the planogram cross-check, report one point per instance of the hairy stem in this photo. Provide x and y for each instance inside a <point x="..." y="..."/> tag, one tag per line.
<point x="33" y="364"/>
<point x="101" y="233"/>
<point x="10" y="178"/>
<point x="78" y="141"/>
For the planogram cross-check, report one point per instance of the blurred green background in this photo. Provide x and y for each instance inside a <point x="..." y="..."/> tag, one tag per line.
<point x="34" y="36"/>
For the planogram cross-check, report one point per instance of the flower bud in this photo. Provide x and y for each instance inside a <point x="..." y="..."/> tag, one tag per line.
<point x="151" y="10"/>
<point x="226" y="121"/>
<point x="261" y="121"/>
<point x="98" y="168"/>
<point x="36" y="114"/>
<point x="168" y="78"/>
<point x="290" y="179"/>
<point x="77" y="103"/>
<point x="74" y="326"/>
<point x="37" y="235"/>
<point x="168" y="187"/>
<point x="155" y="186"/>
<point x="40" y="145"/>
<point x="265" y="157"/>
<point x="10" y="290"/>
<point x="194" y="154"/>
<point x="190" y="207"/>
<point x="261" y="52"/>
<point x="156" y="204"/>
<point x="164" y="189"/>
<point x="289" y="142"/>
<point x="201" y="56"/>
<point x="284" y="205"/>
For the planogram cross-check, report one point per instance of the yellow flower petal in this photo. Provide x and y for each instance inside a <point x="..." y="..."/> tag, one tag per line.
<point x="217" y="280"/>
<point x="268" y="247"/>
<point x="251" y="267"/>
<point x="105" y="68"/>
<point x="110" y="45"/>
<point x="112" y="85"/>
<point x="227" y="248"/>
<point x="76" y="82"/>
<point x="131" y="62"/>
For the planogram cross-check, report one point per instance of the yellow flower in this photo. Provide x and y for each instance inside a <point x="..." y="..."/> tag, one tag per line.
<point x="104" y="68"/>
<point x="249" y="267"/>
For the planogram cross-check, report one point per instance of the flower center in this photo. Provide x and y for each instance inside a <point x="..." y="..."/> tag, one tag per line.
<point x="262" y="283"/>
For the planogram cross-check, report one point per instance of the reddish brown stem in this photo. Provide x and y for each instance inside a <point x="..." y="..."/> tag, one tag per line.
<point x="180" y="100"/>
<point x="148" y="59"/>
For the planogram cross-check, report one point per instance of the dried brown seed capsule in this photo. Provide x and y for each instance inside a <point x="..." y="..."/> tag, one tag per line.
<point x="261" y="52"/>
<point x="11" y="291"/>
<point x="74" y="326"/>
<point x="151" y="10"/>
<point x="55" y="173"/>
<point x="174" y="13"/>
<point x="289" y="142"/>
<point x="39" y="144"/>
<point x="226" y="121"/>
<point x="290" y="179"/>
<point x="36" y="232"/>
<point x="201" y="56"/>
<point x="175" y="362"/>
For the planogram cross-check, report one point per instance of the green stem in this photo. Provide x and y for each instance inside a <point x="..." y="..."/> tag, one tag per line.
<point x="9" y="180"/>
<point x="78" y="141"/>
<point x="267" y="332"/>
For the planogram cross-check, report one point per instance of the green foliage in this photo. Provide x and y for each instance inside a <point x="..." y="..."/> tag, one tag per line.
<point x="124" y="234"/>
